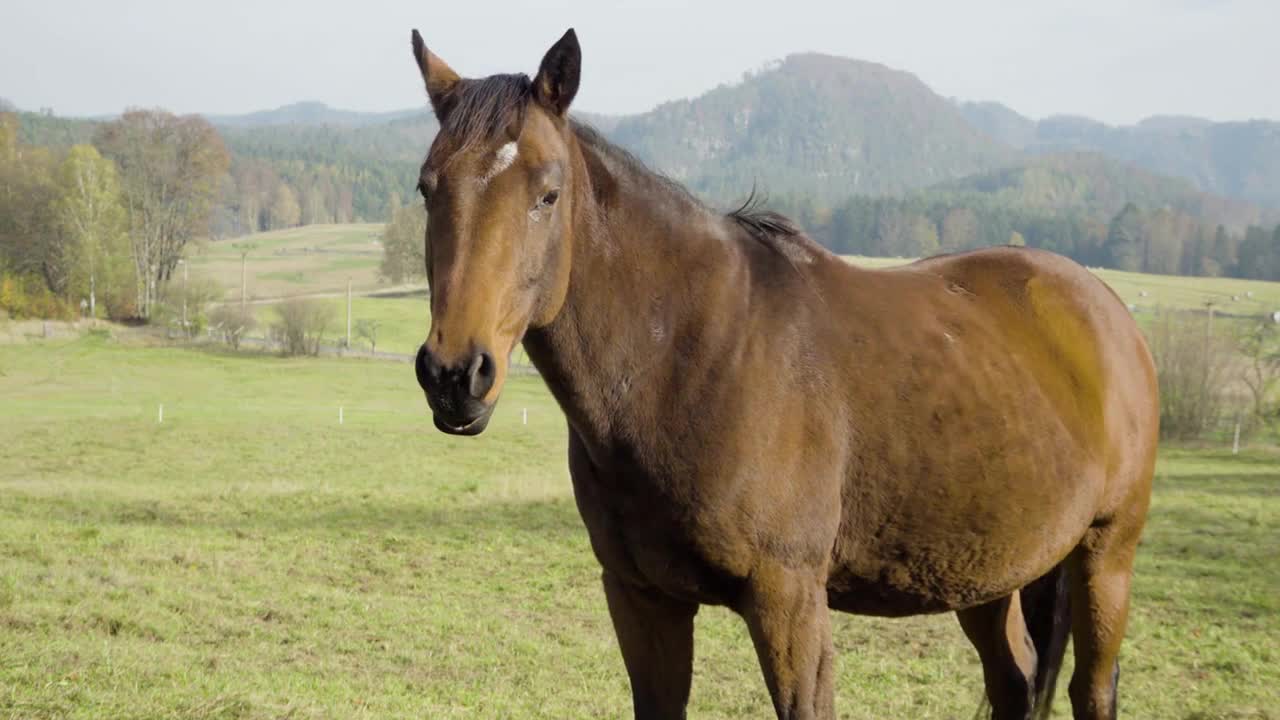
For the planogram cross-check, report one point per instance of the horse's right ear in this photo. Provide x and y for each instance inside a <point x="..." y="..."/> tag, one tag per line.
<point x="438" y="76"/>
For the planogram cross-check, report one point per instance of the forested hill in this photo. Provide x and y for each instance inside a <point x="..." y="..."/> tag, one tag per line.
<point x="1239" y="160"/>
<point x="813" y="125"/>
<point x="1099" y="187"/>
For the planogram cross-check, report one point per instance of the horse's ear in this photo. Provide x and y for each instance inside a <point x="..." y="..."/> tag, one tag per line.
<point x="438" y="76"/>
<point x="557" y="80"/>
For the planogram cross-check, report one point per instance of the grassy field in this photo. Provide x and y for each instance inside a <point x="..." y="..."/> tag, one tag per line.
<point x="252" y="558"/>
<point x="311" y="259"/>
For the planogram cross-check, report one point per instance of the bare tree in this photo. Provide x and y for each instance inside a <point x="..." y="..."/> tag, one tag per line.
<point x="170" y="169"/>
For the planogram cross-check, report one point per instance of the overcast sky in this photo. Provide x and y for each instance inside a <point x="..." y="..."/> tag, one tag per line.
<point x="1115" y="60"/>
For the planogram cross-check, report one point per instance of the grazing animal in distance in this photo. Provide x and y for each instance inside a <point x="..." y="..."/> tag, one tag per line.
<point x="757" y="424"/>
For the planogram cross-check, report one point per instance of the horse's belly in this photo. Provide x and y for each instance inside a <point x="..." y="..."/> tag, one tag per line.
<point x="929" y="561"/>
<point x="863" y="597"/>
<point x="897" y="591"/>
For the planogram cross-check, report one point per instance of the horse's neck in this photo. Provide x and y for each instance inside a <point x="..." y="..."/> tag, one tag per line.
<point x="644" y="256"/>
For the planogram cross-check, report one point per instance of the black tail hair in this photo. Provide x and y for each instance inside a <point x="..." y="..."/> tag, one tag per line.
<point x="1046" y="608"/>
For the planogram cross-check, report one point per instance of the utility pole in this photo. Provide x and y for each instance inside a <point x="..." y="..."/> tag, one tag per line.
<point x="245" y="249"/>
<point x="183" y="263"/>
<point x="1208" y="329"/>
<point x="348" y="313"/>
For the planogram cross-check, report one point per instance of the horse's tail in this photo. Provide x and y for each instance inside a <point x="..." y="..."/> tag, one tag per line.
<point x="1046" y="608"/>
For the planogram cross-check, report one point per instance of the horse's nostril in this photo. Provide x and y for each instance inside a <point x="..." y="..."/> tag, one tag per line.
<point x="481" y="374"/>
<point x="426" y="368"/>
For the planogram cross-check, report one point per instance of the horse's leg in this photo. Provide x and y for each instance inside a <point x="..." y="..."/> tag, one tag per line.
<point x="999" y="633"/>
<point x="655" y="633"/>
<point x="786" y="612"/>
<point x="1100" y="570"/>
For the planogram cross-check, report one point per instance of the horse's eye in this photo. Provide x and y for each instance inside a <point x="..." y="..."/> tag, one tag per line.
<point x="550" y="198"/>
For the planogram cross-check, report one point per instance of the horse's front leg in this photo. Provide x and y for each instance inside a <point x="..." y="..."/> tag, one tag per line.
<point x="655" y="633"/>
<point x="786" y="612"/>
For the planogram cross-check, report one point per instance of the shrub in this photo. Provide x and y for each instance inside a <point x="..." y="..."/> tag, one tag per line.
<point x="1192" y="370"/>
<point x="232" y="323"/>
<point x="368" y="329"/>
<point x="29" y="297"/>
<point x="302" y="324"/>
<point x="199" y="294"/>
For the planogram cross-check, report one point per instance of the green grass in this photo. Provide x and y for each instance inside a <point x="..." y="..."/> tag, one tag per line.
<point x="311" y="259"/>
<point x="252" y="558"/>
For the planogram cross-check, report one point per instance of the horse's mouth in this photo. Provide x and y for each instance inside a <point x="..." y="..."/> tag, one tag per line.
<point x="475" y="426"/>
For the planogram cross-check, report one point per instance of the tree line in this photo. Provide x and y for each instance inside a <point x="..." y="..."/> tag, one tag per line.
<point x="1159" y="240"/>
<point x="101" y="212"/>
<point x="104" y="222"/>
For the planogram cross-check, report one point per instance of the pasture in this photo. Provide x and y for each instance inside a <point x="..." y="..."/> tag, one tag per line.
<point x="305" y="260"/>
<point x="251" y="558"/>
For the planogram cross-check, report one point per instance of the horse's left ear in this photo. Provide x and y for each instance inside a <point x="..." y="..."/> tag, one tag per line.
<point x="557" y="80"/>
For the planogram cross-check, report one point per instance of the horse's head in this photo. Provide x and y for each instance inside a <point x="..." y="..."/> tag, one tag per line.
<point x="495" y="183"/>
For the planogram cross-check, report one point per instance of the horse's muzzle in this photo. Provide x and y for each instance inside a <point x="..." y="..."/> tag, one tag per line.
<point x="456" y="393"/>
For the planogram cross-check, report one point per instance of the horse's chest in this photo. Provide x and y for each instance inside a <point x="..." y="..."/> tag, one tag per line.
<point x="643" y="537"/>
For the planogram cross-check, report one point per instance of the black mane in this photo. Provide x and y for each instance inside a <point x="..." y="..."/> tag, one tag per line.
<point x="763" y="223"/>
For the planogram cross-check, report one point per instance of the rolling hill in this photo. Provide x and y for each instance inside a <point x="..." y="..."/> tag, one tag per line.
<point x="812" y="125"/>
<point x="1240" y="160"/>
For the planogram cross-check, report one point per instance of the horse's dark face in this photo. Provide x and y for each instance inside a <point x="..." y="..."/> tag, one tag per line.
<point x="498" y="239"/>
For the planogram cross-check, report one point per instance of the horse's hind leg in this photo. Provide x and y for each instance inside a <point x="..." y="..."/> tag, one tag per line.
<point x="656" y="636"/>
<point x="1100" y="571"/>
<point x="999" y="633"/>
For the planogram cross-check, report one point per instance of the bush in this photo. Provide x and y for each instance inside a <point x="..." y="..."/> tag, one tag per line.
<point x="198" y="294"/>
<point x="302" y="324"/>
<point x="232" y="323"/>
<point x="29" y="297"/>
<point x="1192" y="370"/>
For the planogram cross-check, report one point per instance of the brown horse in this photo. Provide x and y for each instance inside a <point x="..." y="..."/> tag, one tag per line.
<point x="757" y="424"/>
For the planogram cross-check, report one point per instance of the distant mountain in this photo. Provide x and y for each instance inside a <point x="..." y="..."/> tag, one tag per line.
<point x="1235" y="159"/>
<point x="6" y="106"/>
<point x="312" y="113"/>
<point x="815" y="125"/>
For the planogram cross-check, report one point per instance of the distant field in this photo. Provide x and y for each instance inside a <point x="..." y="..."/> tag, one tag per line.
<point x="252" y="558"/>
<point x="311" y="259"/>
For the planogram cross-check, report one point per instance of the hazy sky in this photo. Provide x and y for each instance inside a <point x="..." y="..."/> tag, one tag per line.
<point x="1115" y="60"/>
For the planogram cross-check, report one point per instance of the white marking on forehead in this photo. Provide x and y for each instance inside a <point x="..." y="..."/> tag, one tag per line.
<point x="502" y="160"/>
